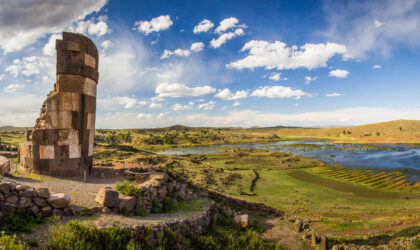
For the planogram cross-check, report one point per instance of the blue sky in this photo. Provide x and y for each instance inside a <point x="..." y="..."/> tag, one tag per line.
<point x="221" y="63"/>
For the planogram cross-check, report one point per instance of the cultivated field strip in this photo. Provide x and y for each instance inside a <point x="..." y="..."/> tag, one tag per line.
<point x="394" y="181"/>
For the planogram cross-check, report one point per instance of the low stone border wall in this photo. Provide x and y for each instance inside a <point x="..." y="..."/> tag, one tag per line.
<point x="241" y="203"/>
<point x="197" y="225"/>
<point x="26" y="200"/>
<point x="395" y="245"/>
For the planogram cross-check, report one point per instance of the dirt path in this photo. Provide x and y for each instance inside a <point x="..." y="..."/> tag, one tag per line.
<point x="82" y="193"/>
<point x="349" y="188"/>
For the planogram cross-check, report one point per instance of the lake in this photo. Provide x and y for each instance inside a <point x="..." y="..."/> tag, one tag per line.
<point x="353" y="155"/>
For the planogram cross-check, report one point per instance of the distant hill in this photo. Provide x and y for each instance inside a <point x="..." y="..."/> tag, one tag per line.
<point x="399" y="130"/>
<point x="11" y="128"/>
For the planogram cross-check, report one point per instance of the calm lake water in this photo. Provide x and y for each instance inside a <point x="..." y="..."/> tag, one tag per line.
<point x="353" y="155"/>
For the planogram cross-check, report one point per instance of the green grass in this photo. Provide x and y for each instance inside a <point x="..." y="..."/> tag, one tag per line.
<point x="127" y="188"/>
<point x="335" y="198"/>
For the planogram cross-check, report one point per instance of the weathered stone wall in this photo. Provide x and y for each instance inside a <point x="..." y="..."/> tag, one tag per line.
<point x="26" y="200"/>
<point x="61" y="143"/>
<point x="196" y="225"/>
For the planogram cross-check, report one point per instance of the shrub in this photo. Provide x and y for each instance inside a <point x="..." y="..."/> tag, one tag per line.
<point x="76" y="235"/>
<point x="127" y="188"/>
<point x="168" y="205"/>
<point x="16" y="223"/>
<point x="155" y="207"/>
<point x="170" y="240"/>
<point x="10" y="243"/>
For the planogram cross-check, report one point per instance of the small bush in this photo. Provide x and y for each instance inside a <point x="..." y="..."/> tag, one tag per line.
<point x="127" y="188"/>
<point x="10" y="243"/>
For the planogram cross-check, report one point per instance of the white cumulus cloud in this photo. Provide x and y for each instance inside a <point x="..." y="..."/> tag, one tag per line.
<point x="129" y="102"/>
<point x="182" y="90"/>
<point x="376" y="67"/>
<point x="28" y="66"/>
<point x="339" y="73"/>
<point x="223" y="38"/>
<point x="196" y="47"/>
<point x="155" y="25"/>
<point x="278" y="92"/>
<point x="49" y="47"/>
<point x="227" y="24"/>
<point x="207" y="106"/>
<point x="309" y="79"/>
<point x="203" y="26"/>
<point x="275" y="76"/>
<point x="226" y="94"/>
<point x="277" y="55"/>
<point x="179" y="107"/>
<point x="177" y="52"/>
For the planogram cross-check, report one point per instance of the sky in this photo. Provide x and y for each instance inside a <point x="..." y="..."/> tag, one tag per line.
<point x="220" y="63"/>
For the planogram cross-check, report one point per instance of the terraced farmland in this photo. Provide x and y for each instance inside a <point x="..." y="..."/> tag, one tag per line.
<point x="375" y="179"/>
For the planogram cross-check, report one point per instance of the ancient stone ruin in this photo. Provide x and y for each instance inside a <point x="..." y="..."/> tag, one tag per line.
<point x="61" y="143"/>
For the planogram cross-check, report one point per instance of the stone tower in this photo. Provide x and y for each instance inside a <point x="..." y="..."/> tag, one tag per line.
<point x="61" y="143"/>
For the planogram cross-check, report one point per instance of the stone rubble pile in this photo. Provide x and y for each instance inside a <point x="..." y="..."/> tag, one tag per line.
<point x="23" y="199"/>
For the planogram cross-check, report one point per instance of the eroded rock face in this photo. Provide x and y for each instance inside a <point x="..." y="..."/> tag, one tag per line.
<point x="4" y="165"/>
<point x="61" y="143"/>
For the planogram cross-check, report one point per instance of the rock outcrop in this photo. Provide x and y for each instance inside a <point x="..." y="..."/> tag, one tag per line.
<point x="61" y="143"/>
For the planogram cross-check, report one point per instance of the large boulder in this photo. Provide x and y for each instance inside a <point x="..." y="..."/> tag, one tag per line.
<point x="4" y="165"/>
<point x="107" y="197"/>
<point x="127" y="204"/>
<point x="59" y="200"/>
<point x="43" y="193"/>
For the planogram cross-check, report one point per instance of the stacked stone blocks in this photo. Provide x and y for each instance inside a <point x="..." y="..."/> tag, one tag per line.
<point x="61" y="143"/>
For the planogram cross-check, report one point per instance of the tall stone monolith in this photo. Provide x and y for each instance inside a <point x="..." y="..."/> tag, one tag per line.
<point x="61" y="143"/>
